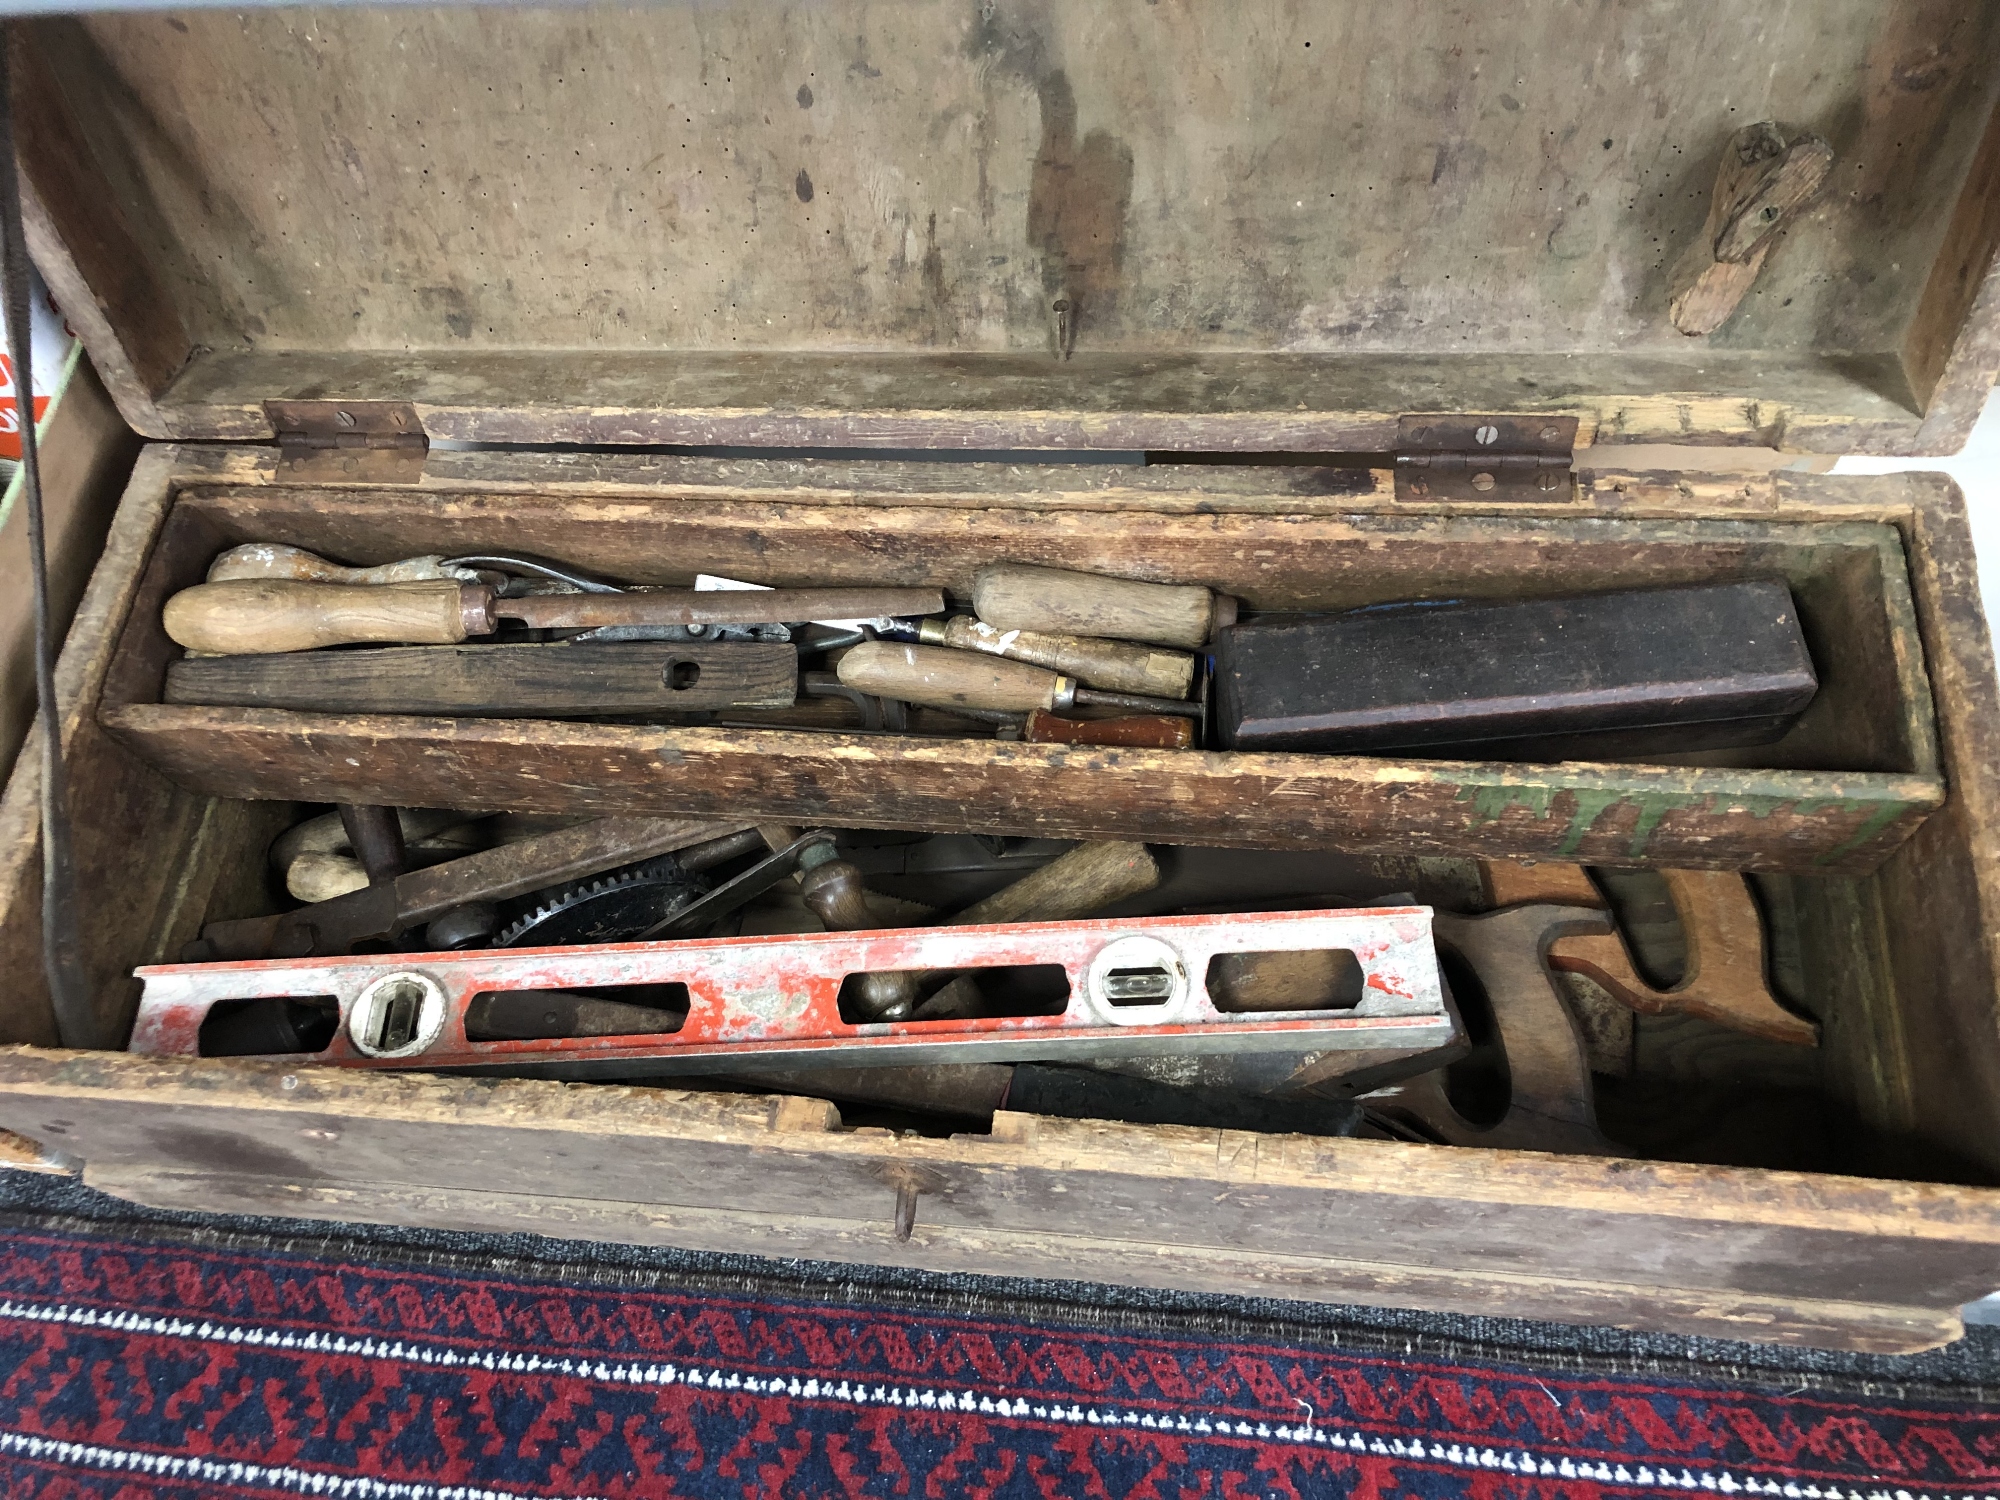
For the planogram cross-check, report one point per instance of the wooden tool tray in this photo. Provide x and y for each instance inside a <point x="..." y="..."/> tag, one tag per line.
<point x="1007" y="229"/>
<point x="1846" y="786"/>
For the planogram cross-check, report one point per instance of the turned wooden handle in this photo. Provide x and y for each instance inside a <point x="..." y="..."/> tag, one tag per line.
<point x="943" y="678"/>
<point x="252" y="617"/>
<point x="277" y="560"/>
<point x="1115" y="666"/>
<point x="1016" y="596"/>
<point x="1088" y="878"/>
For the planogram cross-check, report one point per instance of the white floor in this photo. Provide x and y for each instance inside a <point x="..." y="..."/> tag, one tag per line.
<point x="1977" y="471"/>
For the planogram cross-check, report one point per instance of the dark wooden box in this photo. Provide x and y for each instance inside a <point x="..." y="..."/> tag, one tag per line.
<point x="849" y="228"/>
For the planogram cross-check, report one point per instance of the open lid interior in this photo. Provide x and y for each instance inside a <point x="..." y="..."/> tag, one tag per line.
<point x="1009" y="224"/>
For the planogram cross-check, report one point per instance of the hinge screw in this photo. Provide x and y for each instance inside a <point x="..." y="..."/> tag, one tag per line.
<point x="1482" y="482"/>
<point x="1549" y="479"/>
<point x="1487" y="436"/>
<point x="344" y="418"/>
<point x="1550" y="434"/>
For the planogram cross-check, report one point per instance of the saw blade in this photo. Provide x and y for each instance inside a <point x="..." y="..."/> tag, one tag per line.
<point x="608" y="908"/>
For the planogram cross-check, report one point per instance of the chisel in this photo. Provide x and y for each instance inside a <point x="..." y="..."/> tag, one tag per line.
<point x="261" y="616"/>
<point x="1117" y="666"/>
<point x="942" y="678"/>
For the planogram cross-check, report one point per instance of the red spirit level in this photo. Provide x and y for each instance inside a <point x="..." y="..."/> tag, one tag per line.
<point x="1094" y="989"/>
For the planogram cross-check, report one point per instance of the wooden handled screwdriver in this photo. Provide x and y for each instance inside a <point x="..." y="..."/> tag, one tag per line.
<point x="258" y="616"/>
<point x="942" y="678"/>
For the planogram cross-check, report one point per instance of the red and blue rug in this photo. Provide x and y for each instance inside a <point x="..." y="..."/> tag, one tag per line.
<point x="145" y="1360"/>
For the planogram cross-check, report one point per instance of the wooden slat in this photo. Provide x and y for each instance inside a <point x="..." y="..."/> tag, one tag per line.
<point x="1940" y="925"/>
<point x="1706" y="818"/>
<point x="1277" y="402"/>
<point x="559" y="681"/>
<point x="118" y="802"/>
<point x="1951" y="349"/>
<point x="86" y="454"/>
<point x="100" y="272"/>
<point x="1737" y="1252"/>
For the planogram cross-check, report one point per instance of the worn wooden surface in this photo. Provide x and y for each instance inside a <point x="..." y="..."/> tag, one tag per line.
<point x="816" y="203"/>
<point x="1749" y="1254"/>
<point x="1594" y="814"/>
<point x="82" y="240"/>
<point x="1547" y="1104"/>
<point x="1871" y="713"/>
<point x="118" y="803"/>
<point x="1951" y="349"/>
<point x="1768" y="175"/>
<point x="1902" y="1007"/>
<point x="1930" y="925"/>
<point x="559" y="681"/>
<point x="86" y="454"/>
<point x="1724" y="978"/>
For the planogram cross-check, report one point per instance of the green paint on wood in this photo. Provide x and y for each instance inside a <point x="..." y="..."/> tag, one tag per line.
<point x="1883" y="817"/>
<point x="1588" y="806"/>
<point x="1491" y="802"/>
<point x="1651" y="811"/>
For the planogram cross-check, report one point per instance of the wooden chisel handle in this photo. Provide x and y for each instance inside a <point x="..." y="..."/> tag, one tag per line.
<point x="1016" y="596"/>
<point x="943" y="678"/>
<point x="250" y="617"/>
<point x="258" y="616"/>
<point x="1118" y="666"/>
<point x="277" y="560"/>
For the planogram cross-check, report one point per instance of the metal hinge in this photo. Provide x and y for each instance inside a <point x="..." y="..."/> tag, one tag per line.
<point x="1485" y="458"/>
<point x="369" y="442"/>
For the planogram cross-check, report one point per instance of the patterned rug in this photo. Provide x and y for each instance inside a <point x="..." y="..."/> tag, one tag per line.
<point x="153" y="1356"/>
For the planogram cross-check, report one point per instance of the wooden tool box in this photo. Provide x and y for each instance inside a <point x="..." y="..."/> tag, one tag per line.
<point x="316" y="255"/>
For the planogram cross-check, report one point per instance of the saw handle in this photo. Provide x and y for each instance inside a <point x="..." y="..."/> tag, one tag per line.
<point x="260" y="616"/>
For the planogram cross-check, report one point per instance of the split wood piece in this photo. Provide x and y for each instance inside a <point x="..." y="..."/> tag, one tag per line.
<point x="253" y="616"/>
<point x="1016" y="596"/>
<point x="1725" y="980"/>
<point x="1118" y="666"/>
<point x="1549" y="1105"/>
<point x="1769" y="173"/>
<point x="563" y="680"/>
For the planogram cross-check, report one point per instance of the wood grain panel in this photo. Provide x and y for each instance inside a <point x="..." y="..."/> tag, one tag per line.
<point x="1303" y="1216"/>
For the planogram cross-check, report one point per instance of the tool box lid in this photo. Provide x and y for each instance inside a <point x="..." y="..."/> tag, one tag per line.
<point x="1002" y="224"/>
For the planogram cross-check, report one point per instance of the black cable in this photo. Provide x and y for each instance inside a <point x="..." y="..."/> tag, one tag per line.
<point x="69" y="991"/>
